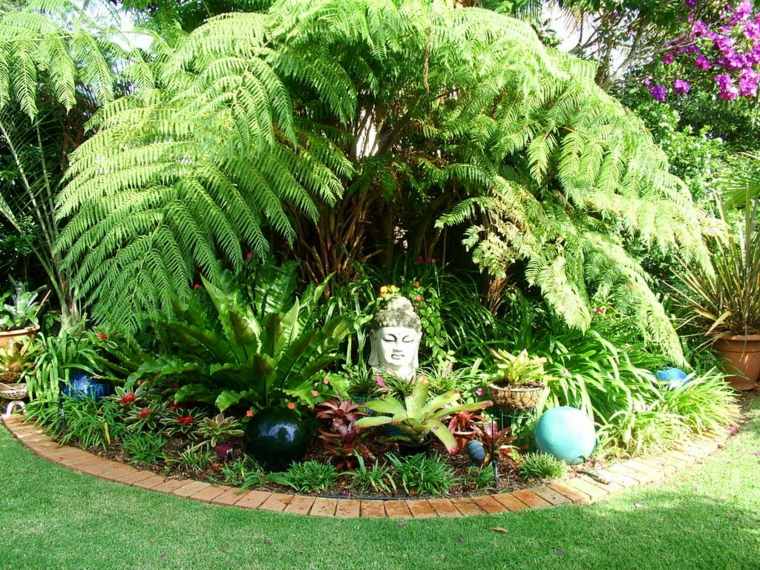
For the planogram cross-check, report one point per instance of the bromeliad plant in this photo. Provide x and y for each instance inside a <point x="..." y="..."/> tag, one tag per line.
<point x="518" y="370"/>
<point x="341" y="438"/>
<point x="417" y="416"/>
<point x="19" y="309"/>
<point x="250" y="354"/>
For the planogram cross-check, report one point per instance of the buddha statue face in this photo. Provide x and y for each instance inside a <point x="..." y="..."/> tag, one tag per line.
<point x="395" y="342"/>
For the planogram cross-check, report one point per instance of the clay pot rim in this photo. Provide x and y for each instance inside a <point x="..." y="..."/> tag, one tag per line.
<point x="739" y="338"/>
<point x="33" y="329"/>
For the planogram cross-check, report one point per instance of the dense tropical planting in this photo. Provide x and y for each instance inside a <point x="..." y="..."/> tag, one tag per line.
<point x="222" y="214"/>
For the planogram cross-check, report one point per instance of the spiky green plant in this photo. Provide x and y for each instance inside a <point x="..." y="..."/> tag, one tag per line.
<point x="417" y="416"/>
<point x="242" y="353"/>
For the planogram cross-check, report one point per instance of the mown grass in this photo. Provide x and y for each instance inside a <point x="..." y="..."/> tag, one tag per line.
<point x="707" y="517"/>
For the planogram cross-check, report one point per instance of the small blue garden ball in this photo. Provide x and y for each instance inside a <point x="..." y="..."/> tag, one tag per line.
<point x="476" y="452"/>
<point x="83" y="386"/>
<point x="673" y="377"/>
<point x="566" y="433"/>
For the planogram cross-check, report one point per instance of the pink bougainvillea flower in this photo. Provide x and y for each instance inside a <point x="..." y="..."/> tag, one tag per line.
<point x="659" y="92"/>
<point x="702" y="62"/>
<point x="668" y="58"/>
<point x="748" y="82"/>
<point x="681" y="87"/>
<point x="699" y="29"/>
<point x="379" y="381"/>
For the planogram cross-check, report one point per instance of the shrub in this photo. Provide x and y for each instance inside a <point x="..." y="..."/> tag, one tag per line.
<point x="707" y="403"/>
<point x="480" y="477"/>
<point x="195" y="459"/>
<point x="307" y="477"/>
<point x="83" y="422"/>
<point x="422" y="474"/>
<point x="243" y="472"/>
<point x="144" y="447"/>
<point x="541" y="466"/>
<point x="377" y="478"/>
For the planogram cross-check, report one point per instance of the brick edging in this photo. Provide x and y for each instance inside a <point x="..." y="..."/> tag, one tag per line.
<point x="581" y="489"/>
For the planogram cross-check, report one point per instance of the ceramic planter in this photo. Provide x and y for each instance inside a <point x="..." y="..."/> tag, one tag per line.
<point x="741" y="353"/>
<point x="7" y="338"/>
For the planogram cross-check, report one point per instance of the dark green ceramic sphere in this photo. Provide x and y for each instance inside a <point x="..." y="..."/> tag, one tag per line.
<point x="277" y="437"/>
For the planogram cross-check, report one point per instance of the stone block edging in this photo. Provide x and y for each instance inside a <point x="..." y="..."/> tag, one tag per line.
<point x="581" y="489"/>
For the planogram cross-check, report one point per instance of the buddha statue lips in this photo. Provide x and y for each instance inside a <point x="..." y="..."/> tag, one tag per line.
<point x="395" y="341"/>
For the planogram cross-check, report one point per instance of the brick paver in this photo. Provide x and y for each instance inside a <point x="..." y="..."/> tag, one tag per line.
<point x="531" y="499"/>
<point x="209" y="493"/>
<point x="372" y="509"/>
<point x="444" y="508"/>
<point x="467" y="506"/>
<point x="584" y="486"/>
<point x="170" y="485"/>
<point x="550" y="495"/>
<point x="324" y="507"/>
<point x="575" y="495"/>
<point x="300" y="505"/>
<point x="253" y="499"/>
<point x="191" y="488"/>
<point x="510" y="502"/>
<point x="348" y="508"/>
<point x="229" y="497"/>
<point x="421" y="509"/>
<point x="579" y="489"/>
<point x="489" y="504"/>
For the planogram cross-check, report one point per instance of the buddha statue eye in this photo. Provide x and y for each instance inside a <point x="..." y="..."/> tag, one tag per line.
<point x="389" y="338"/>
<point x="408" y="339"/>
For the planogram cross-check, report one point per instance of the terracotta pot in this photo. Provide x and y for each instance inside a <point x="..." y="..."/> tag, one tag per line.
<point x="742" y="354"/>
<point x="7" y="338"/>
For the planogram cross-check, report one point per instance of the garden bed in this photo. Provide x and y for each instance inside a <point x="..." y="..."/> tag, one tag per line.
<point x="578" y="488"/>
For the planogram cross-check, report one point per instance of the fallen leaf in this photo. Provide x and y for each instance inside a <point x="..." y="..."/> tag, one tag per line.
<point x="502" y="530"/>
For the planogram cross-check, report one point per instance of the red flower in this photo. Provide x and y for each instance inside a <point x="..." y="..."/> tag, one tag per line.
<point x="291" y="405"/>
<point x="419" y="298"/>
<point x="144" y="413"/>
<point x="185" y="420"/>
<point x="101" y="336"/>
<point x="249" y="413"/>
<point x="127" y="399"/>
<point x="196" y="285"/>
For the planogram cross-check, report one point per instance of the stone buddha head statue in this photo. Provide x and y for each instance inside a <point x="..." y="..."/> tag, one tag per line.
<point x="395" y="340"/>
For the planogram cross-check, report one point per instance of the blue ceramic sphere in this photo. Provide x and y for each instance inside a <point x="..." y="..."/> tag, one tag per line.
<point x="277" y="437"/>
<point x="566" y="433"/>
<point x="673" y="377"/>
<point x="83" y="386"/>
<point x="476" y="452"/>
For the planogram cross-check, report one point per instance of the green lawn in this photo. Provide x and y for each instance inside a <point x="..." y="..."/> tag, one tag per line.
<point x="705" y="518"/>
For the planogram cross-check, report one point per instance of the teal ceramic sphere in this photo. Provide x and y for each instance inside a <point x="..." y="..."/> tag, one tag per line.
<point x="567" y="434"/>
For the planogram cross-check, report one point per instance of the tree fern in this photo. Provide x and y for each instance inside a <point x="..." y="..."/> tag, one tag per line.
<point x="255" y="123"/>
